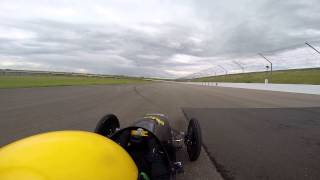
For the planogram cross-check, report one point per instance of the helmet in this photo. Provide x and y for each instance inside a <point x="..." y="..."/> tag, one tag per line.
<point x="66" y="155"/>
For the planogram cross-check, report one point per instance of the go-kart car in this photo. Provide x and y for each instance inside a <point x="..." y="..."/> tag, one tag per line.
<point x="152" y="143"/>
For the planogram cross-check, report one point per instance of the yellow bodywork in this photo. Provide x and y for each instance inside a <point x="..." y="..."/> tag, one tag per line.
<point x="139" y="133"/>
<point x="158" y="120"/>
<point x="66" y="155"/>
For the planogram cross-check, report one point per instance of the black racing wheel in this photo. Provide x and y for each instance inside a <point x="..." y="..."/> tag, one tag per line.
<point x="107" y="125"/>
<point x="193" y="139"/>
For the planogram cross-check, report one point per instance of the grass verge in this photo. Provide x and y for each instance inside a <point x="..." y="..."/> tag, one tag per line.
<point x="296" y="76"/>
<point x="14" y="81"/>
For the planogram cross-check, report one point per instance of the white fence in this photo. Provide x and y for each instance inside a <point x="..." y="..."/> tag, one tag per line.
<point x="294" y="88"/>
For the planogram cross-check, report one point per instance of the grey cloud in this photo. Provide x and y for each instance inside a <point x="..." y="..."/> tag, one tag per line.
<point x="58" y="43"/>
<point x="258" y="26"/>
<point x="222" y="31"/>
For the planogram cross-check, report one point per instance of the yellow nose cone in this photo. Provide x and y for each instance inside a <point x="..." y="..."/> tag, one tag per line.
<point x="66" y="155"/>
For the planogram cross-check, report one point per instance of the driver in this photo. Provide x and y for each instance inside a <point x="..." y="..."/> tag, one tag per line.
<point x="67" y="155"/>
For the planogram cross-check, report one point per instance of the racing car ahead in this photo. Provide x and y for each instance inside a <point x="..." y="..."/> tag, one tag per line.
<point x="152" y="143"/>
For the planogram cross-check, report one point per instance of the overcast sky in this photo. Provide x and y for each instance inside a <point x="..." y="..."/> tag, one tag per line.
<point x="158" y="38"/>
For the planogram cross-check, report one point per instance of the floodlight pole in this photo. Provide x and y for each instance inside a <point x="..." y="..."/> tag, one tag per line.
<point x="267" y="60"/>
<point x="313" y="47"/>
<point x="225" y="70"/>
<point x="240" y="65"/>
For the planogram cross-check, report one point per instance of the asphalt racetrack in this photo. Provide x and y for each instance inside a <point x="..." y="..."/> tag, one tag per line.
<point x="247" y="134"/>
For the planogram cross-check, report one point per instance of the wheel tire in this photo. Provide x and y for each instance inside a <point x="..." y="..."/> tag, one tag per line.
<point x="194" y="140"/>
<point x="107" y="125"/>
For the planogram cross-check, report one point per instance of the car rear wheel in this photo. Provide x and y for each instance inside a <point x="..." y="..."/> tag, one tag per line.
<point x="193" y="140"/>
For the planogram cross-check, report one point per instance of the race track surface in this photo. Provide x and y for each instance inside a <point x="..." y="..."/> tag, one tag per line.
<point x="263" y="143"/>
<point x="27" y="111"/>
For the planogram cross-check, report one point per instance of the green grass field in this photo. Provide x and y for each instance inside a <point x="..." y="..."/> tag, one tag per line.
<point x="297" y="76"/>
<point x="14" y="81"/>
